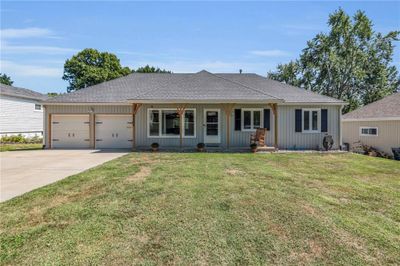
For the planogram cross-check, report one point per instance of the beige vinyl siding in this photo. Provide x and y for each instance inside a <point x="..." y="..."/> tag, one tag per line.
<point x="388" y="134"/>
<point x="288" y="138"/>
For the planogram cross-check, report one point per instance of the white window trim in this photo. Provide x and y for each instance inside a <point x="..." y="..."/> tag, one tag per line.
<point x="368" y="135"/>
<point x="310" y="120"/>
<point x="160" y="136"/>
<point x="252" y="129"/>
<point x="41" y="107"/>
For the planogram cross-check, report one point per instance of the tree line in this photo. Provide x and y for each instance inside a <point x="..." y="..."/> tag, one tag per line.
<point x="350" y="62"/>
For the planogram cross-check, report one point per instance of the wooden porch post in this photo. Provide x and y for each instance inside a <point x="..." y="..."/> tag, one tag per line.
<point x="228" y="110"/>
<point x="274" y="108"/>
<point x="181" y="111"/>
<point x="135" y="109"/>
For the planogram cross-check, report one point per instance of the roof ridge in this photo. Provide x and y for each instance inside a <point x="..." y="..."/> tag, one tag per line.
<point x="246" y="86"/>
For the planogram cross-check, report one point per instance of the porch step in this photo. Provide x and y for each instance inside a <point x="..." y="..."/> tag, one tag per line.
<point x="266" y="148"/>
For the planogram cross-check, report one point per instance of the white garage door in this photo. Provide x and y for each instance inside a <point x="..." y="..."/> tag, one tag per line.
<point x="113" y="131"/>
<point x="70" y="131"/>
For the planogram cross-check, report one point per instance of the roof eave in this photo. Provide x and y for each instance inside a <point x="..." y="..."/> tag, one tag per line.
<point x="22" y="96"/>
<point x="164" y="101"/>
<point x="315" y="103"/>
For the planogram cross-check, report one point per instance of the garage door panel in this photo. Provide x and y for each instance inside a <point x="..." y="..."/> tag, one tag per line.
<point x="70" y="131"/>
<point x="113" y="131"/>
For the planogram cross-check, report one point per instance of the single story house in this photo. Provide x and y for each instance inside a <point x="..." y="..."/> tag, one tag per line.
<point x="182" y="110"/>
<point x="20" y="111"/>
<point x="376" y="124"/>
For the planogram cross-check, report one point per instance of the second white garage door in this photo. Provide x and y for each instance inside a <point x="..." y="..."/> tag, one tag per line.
<point x="113" y="131"/>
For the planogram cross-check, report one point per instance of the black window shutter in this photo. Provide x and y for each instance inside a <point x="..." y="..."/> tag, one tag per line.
<point x="324" y="120"/>
<point x="298" y="118"/>
<point x="267" y="119"/>
<point x="238" y="119"/>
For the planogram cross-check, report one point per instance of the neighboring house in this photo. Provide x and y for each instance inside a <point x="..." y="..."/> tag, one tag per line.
<point x="376" y="124"/>
<point x="220" y="110"/>
<point x="20" y="111"/>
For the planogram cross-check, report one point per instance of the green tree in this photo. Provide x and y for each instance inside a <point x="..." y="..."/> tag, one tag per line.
<point x="4" y="79"/>
<point x="90" y="67"/>
<point x="351" y="62"/>
<point x="52" y="94"/>
<point x="150" y="69"/>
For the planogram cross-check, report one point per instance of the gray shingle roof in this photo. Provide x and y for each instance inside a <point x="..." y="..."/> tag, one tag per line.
<point x="201" y="86"/>
<point x="384" y="108"/>
<point x="21" y="93"/>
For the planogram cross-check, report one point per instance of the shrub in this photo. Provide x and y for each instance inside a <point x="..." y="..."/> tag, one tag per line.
<point x="20" y="139"/>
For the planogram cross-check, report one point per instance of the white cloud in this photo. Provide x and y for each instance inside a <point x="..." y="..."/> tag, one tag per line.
<point x="270" y="53"/>
<point x="25" y="49"/>
<point x="25" y="33"/>
<point x="17" y="69"/>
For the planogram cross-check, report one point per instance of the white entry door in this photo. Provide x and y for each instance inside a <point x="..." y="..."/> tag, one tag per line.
<point x="113" y="131"/>
<point x="212" y="126"/>
<point x="70" y="131"/>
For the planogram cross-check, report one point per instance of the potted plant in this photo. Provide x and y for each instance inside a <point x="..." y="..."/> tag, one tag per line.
<point x="253" y="147"/>
<point x="200" y="147"/>
<point x="154" y="146"/>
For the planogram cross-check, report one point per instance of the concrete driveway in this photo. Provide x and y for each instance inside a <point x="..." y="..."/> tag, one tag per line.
<point x="23" y="171"/>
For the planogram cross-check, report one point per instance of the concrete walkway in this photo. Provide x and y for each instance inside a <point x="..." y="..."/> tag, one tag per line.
<point x="23" y="171"/>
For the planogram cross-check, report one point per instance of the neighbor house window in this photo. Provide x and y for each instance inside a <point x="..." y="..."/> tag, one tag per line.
<point x="38" y="107"/>
<point x="368" y="131"/>
<point x="311" y="120"/>
<point x="166" y="123"/>
<point x="252" y="119"/>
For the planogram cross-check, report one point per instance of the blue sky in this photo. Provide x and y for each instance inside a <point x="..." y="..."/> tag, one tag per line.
<point x="37" y="37"/>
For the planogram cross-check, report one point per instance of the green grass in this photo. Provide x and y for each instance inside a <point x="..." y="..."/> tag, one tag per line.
<point x="18" y="147"/>
<point x="218" y="208"/>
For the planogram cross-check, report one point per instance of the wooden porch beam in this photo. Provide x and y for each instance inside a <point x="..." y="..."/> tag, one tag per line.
<point x="228" y="110"/>
<point x="180" y="108"/>
<point x="135" y="109"/>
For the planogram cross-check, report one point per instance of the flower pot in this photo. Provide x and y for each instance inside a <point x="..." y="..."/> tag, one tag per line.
<point x="253" y="150"/>
<point x="154" y="149"/>
<point x="200" y="149"/>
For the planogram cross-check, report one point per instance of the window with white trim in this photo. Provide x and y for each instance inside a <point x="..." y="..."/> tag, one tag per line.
<point x="165" y="123"/>
<point x="311" y="120"/>
<point x="368" y="131"/>
<point x="38" y="107"/>
<point x="252" y="119"/>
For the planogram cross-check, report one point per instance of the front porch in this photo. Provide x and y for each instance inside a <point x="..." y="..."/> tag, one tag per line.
<point x="220" y="126"/>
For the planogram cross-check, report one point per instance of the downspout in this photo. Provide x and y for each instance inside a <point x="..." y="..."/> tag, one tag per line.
<point x="340" y="128"/>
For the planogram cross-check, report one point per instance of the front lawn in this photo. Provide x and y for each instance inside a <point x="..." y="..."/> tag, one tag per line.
<point x="20" y="146"/>
<point x="211" y="208"/>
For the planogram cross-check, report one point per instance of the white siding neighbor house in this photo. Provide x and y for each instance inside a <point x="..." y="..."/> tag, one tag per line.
<point x="376" y="124"/>
<point x="21" y="111"/>
<point x="182" y="110"/>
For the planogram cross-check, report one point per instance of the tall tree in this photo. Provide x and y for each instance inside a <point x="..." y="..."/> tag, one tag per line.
<point x="150" y="69"/>
<point x="351" y="62"/>
<point x="4" y="79"/>
<point x="90" y="67"/>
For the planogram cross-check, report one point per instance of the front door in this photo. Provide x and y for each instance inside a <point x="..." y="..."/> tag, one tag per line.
<point x="212" y="126"/>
